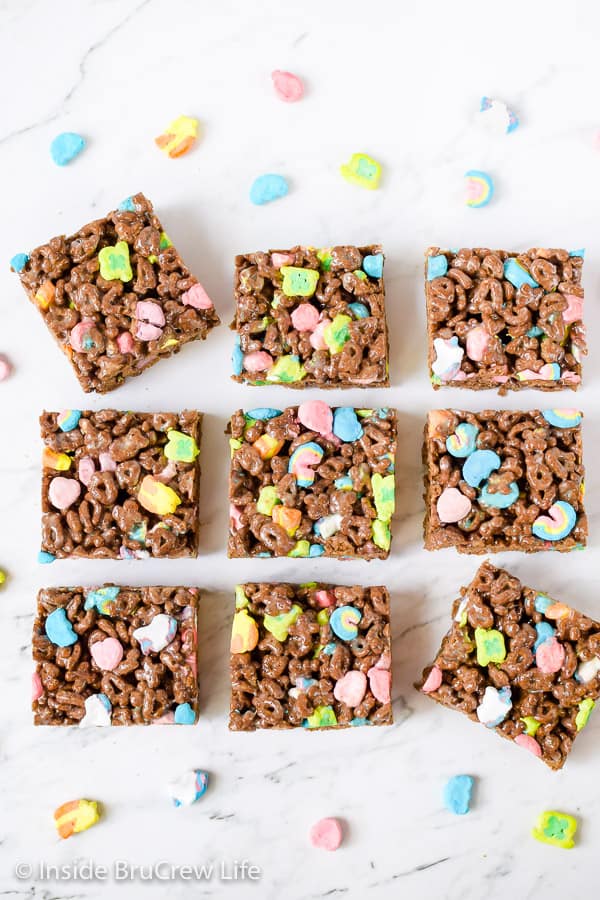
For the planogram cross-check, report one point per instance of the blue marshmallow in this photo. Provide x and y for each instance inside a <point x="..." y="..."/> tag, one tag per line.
<point x="59" y="630"/>
<point x="517" y="275"/>
<point x="346" y="425"/>
<point x="45" y="558"/>
<point x="457" y="794"/>
<point x="263" y="413"/>
<point x="19" y="261"/>
<point x="359" y="310"/>
<point x="237" y="357"/>
<point x="373" y="265"/>
<point x="479" y="465"/>
<point x="266" y="188"/>
<point x="126" y="205"/>
<point x="436" y="266"/>
<point x="184" y="714"/>
<point x="65" y="147"/>
<point x="544" y="632"/>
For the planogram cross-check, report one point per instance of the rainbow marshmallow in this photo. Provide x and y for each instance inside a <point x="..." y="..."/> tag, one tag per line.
<point x="563" y="418"/>
<point x="480" y="188"/>
<point x="559" y="522"/>
<point x="301" y="460"/>
<point x="68" y="419"/>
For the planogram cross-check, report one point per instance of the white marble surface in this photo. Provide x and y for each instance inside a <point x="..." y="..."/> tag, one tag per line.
<point x="405" y="87"/>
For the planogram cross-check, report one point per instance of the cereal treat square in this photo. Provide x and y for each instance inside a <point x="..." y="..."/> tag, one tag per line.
<point x="310" y="655"/>
<point x="520" y="663"/>
<point x="116" y="295"/>
<point x="311" y="317"/>
<point x="115" y="656"/>
<point x="504" y="481"/>
<point x="505" y="320"/>
<point x="312" y="481"/>
<point x="120" y="485"/>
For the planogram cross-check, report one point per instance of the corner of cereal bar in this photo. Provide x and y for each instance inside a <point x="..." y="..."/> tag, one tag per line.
<point x="519" y="663"/>
<point x="116" y="295"/>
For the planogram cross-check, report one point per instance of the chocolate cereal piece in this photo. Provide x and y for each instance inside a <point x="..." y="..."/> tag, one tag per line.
<point x="311" y="655"/>
<point x="312" y="481"/>
<point x="505" y="320"/>
<point x="116" y="295"/>
<point x="504" y="481"/>
<point x="121" y="485"/>
<point x="311" y="317"/>
<point x="115" y="655"/>
<point x="520" y="663"/>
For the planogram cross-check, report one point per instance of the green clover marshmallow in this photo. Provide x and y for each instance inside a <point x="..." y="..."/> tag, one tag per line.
<point x="337" y="333"/>
<point x="299" y="282"/>
<point x="383" y="494"/>
<point x="114" y="262"/>
<point x="280" y="625"/>
<point x="490" y="646"/>
<point x="287" y="369"/>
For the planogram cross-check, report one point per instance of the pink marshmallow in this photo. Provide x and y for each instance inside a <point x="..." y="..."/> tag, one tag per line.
<point x="197" y="297"/>
<point x="288" y="86"/>
<point x="167" y="719"/>
<point x="235" y="515"/>
<point x="125" y="342"/>
<point x="477" y="342"/>
<point x="63" y="492"/>
<point x="351" y="688"/>
<point x="5" y="368"/>
<point x="107" y="654"/>
<point x="257" y="361"/>
<point x="380" y="682"/>
<point x="433" y="680"/>
<point x="86" y="469"/>
<point x="78" y="333"/>
<point x="107" y="463"/>
<point x="317" y="339"/>
<point x="324" y="598"/>
<point x="305" y="317"/>
<point x="574" y="310"/>
<point x="144" y="331"/>
<point x="452" y="505"/>
<point x="150" y="319"/>
<point x="282" y="259"/>
<point x="36" y="686"/>
<point x="550" y="656"/>
<point x="528" y="743"/>
<point x="384" y="661"/>
<point x="326" y="834"/>
<point x="316" y="415"/>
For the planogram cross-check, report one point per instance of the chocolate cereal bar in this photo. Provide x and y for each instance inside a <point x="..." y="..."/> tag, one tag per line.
<point x="311" y="655"/>
<point x="312" y="481"/>
<point x="520" y="663"/>
<point x="311" y="317"/>
<point x="122" y="485"/>
<point x="115" y="656"/>
<point x="504" y="481"/>
<point x="505" y="320"/>
<point x="116" y="295"/>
